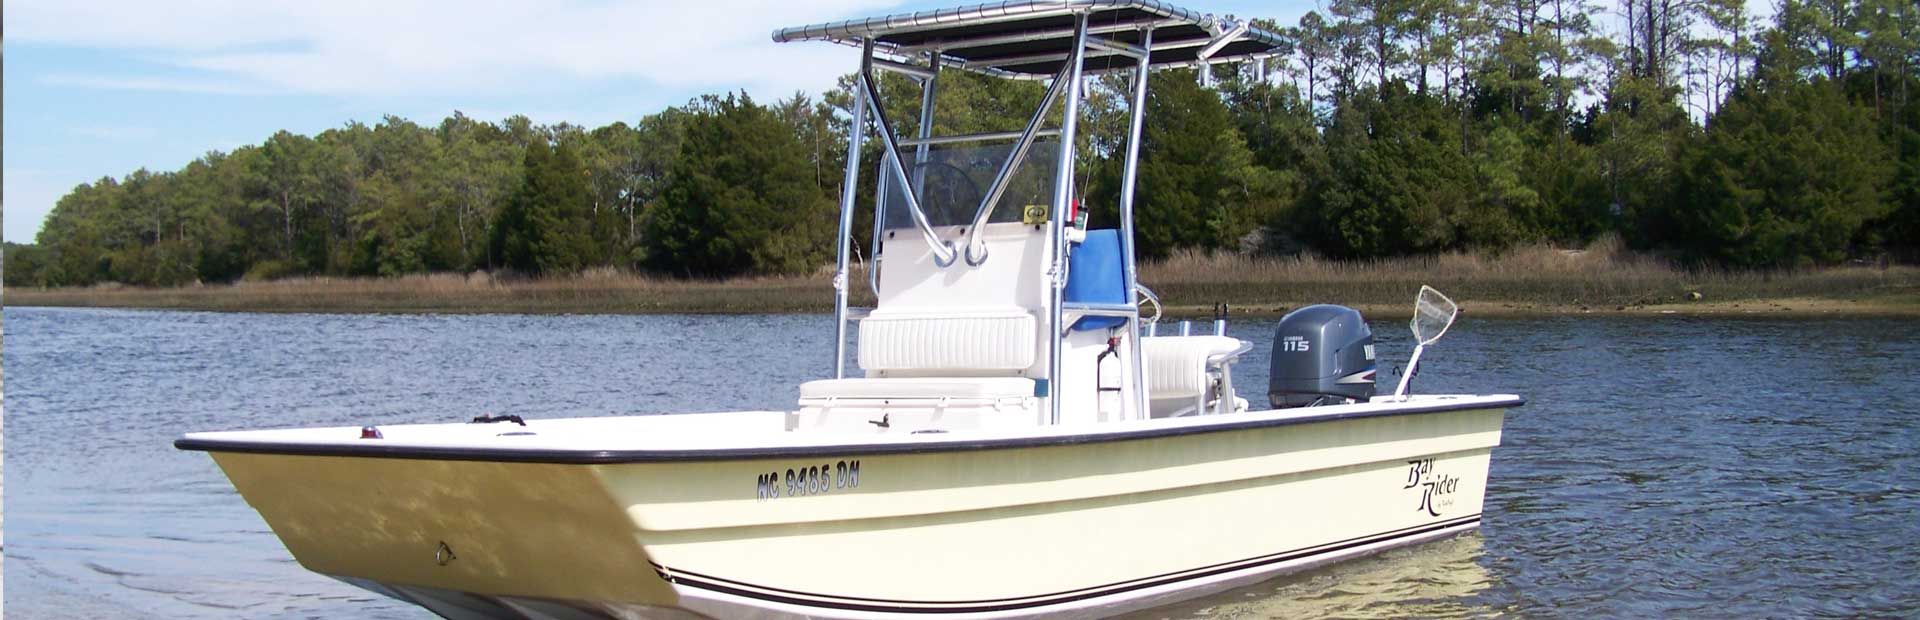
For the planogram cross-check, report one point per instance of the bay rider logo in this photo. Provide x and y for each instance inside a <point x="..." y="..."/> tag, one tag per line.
<point x="1436" y="489"/>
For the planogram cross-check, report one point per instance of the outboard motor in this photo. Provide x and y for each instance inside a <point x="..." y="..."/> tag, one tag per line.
<point x="1322" y="355"/>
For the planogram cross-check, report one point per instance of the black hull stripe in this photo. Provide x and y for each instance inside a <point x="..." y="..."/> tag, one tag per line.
<point x="376" y="449"/>
<point x="792" y="597"/>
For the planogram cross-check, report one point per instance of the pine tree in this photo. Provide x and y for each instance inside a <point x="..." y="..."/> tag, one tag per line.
<point x="546" y="227"/>
<point x="741" y="198"/>
<point x="1198" y="186"/>
<point x="1783" y="178"/>
<point x="1398" y="182"/>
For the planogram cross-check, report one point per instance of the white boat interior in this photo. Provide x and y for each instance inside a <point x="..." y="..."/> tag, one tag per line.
<point x="1004" y="433"/>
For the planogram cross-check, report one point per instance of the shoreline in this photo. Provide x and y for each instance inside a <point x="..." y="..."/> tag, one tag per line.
<point x="1378" y="291"/>
<point x="1746" y="309"/>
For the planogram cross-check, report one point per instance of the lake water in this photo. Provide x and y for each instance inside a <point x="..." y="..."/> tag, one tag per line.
<point x="1664" y="467"/>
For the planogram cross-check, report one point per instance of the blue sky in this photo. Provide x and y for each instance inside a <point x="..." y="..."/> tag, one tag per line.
<point x="101" y="88"/>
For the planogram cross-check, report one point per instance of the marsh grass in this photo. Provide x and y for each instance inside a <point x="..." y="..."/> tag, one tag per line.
<point x="596" y="291"/>
<point x="1539" y="278"/>
<point x="1531" y="280"/>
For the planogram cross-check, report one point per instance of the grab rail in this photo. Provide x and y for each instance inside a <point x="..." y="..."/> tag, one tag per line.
<point x="973" y="137"/>
<point x="943" y="251"/>
<point x="1148" y="293"/>
<point x="1008" y="168"/>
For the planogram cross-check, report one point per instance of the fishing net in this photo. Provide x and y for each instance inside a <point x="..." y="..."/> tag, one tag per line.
<point x="1432" y="314"/>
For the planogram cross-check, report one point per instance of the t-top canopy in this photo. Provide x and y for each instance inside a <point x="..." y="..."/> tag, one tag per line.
<point x="1034" y="39"/>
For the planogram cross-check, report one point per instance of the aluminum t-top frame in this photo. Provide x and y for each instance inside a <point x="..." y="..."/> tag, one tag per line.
<point x="1061" y="40"/>
<point x="1033" y="39"/>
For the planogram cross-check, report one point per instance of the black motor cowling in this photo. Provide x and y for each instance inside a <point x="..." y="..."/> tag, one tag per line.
<point x="1322" y="355"/>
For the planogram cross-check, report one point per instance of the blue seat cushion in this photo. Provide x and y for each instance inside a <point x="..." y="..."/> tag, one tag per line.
<point x="1096" y="273"/>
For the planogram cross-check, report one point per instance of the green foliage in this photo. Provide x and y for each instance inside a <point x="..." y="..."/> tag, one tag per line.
<point x="1398" y="182"/>
<point x="1382" y="128"/>
<point x="742" y="198"/>
<point x="1783" y="178"/>
<point x="1508" y="210"/>
<point x="1571" y="183"/>
<point x="1639" y="136"/>
<point x="25" y="265"/>
<point x="1901" y="229"/>
<point x="396" y="237"/>
<point x="286" y="179"/>
<point x="544" y="228"/>
<point x="1198" y="185"/>
<point x="1281" y="135"/>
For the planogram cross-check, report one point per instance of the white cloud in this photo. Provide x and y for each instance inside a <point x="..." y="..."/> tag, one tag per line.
<point x="414" y="47"/>
<point x="156" y="84"/>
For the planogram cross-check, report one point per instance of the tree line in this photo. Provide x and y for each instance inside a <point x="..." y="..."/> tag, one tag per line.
<point x="1384" y="128"/>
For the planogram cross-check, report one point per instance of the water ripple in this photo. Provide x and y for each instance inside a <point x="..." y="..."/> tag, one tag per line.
<point x="1662" y="468"/>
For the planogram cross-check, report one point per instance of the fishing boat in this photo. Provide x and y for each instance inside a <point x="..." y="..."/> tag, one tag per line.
<point x="1005" y="433"/>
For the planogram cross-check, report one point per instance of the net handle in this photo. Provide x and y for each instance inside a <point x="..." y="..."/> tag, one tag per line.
<point x="1429" y="299"/>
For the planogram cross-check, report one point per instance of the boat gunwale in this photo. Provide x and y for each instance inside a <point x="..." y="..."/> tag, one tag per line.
<point x="611" y="457"/>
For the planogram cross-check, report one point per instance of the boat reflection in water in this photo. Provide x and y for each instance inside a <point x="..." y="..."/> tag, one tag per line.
<point x="1441" y="579"/>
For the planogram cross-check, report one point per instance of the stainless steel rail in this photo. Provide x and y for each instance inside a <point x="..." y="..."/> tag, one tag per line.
<point x="1062" y="197"/>
<point x="1008" y="61"/>
<point x="974" y="137"/>
<point x="1150" y="296"/>
<point x="846" y="233"/>
<point x="1130" y="173"/>
<point x="943" y="251"/>
<point x="927" y="93"/>
<point x="1011" y="166"/>
<point x="1032" y="35"/>
<point x="921" y="73"/>
<point x="1135" y="51"/>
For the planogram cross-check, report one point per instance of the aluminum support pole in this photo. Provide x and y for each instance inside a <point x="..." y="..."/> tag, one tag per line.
<point x="878" y="247"/>
<point x="1221" y="41"/>
<point x="1009" y="168"/>
<point x="1005" y="61"/>
<point x="944" y="252"/>
<point x="1117" y="47"/>
<point x="1062" y="199"/>
<point x="846" y="222"/>
<point x="975" y="137"/>
<point x="927" y="92"/>
<point x="1406" y="376"/>
<point x="918" y="73"/>
<point x="1127" y="178"/>
<point x="1032" y="35"/>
